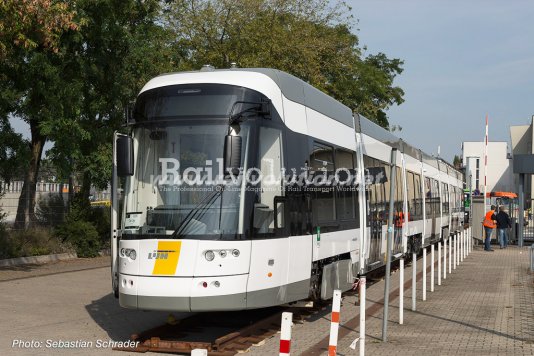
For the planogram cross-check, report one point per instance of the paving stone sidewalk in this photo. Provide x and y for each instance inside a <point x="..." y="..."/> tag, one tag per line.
<point x="10" y="273"/>
<point x="484" y="307"/>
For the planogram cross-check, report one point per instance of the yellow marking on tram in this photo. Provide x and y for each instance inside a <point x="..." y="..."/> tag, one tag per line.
<point x="167" y="266"/>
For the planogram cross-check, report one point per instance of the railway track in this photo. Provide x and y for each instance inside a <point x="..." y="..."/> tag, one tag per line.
<point x="221" y="333"/>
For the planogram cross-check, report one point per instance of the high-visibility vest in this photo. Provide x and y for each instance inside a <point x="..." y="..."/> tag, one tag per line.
<point x="399" y="219"/>
<point x="488" y="222"/>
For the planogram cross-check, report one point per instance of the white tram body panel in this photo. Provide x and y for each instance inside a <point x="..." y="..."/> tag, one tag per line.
<point x="268" y="246"/>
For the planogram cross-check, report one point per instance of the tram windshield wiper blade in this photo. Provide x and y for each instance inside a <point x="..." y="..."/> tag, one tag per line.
<point x="259" y="108"/>
<point x="207" y="201"/>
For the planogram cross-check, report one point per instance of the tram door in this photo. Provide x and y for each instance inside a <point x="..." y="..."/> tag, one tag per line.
<point x="375" y="207"/>
<point x="400" y="219"/>
<point x="435" y="201"/>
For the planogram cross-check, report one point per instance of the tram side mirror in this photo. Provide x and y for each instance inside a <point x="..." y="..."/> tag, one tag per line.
<point x="125" y="156"/>
<point x="232" y="154"/>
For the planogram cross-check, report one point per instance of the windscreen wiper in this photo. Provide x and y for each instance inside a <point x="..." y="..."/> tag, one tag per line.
<point x="261" y="108"/>
<point x="207" y="201"/>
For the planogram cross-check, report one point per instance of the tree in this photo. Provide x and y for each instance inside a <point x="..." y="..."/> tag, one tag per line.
<point x="457" y="162"/>
<point x="13" y="158"/>
<point x="309" y="39"/>
<point x="70" y="73"/>
<point x="121" y="46"/>
<point x="13" y="153"/>
<point x="33" y="24"/>
<point x="34" y="77"/>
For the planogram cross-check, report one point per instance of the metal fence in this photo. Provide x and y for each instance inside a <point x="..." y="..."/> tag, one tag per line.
<point x="51" y="202"/>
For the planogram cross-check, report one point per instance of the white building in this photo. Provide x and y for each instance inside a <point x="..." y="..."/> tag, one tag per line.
<point x="522" y="137"/>
<point x="499" y="175"/>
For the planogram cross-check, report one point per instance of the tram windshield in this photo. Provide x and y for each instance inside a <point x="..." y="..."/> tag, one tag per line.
<point x="177" y="172"/>
<point x="179" y="189"/>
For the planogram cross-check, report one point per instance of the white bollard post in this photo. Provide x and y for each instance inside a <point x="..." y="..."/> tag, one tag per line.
<point x="461" y="258"/>
<point x="424" y="273"/>
<point x="334" y="324"/>
<point x="455" y="254"/>
<point x="464" y="254"/>
<point x="432" y="267"/>
<point x="444" y="258"/>
<point x="414" y="281"/>
<point x="285" y="334"/>
<point x="439" y="263"/>
<point x="401" y="292"/>
<point x="199" y="352"/>
<point x="450" y="254"/>
<point x="466" y="244"/>
<point x="461" y="246"/>
<point x="458" y="251"/>
<point x="362" y="315"/>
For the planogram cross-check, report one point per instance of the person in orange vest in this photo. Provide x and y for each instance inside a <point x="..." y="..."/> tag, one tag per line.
<point x="399" y="221"/>
<point x="489" y="226"/>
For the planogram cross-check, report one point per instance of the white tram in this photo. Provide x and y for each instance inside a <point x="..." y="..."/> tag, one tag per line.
<point x="273" y="227"/>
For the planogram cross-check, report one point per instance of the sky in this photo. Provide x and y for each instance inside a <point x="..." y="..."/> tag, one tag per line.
<point x="463" y="60"/>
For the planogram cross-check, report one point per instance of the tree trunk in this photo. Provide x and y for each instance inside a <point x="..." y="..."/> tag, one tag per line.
<point x="26" y="208"/>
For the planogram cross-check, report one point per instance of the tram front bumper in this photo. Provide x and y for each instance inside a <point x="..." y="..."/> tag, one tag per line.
<point x="183" y="293"/>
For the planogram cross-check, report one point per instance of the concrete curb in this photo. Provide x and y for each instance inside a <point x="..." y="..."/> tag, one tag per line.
<point x="37" y="259"/>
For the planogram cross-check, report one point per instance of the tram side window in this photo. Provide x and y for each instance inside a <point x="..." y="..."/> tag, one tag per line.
<point x="445" y="201"/>
<point x="386" y="191"/>
<point x="410" y="191"/>
<point x="380" y="186"/>
<point x="435" y="198"/>
<point x="428" y="197"/>
<point x="271" y="161"/>
<point x="400" y="190"/>
<point x="371" y="190"/>
<point x="322" y="163"/>
<point x="369" y="194"/>
<point x="461" y="199"/>
<point x="346" y="194"/>
<point x="418" y="199"/>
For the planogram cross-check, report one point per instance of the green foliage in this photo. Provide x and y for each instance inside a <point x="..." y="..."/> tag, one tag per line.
<point x="4" y="248"/>
<point x="31" y="242"/>
<point x="13" y="153"/>
<point x="29" y="24"/>
<point x="120" y="46"/>
<point x="82" y="235"/>
<point x="100" y="217"/>
<point x="457" y="162"/>
<point x="312" y="40"/>
<point x="69" y="67"/>
<point x="51" y="209"/>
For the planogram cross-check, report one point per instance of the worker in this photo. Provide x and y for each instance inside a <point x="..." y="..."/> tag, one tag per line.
<point x="489" y="226"/>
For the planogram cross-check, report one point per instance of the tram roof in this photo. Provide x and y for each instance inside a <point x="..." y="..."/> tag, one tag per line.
<point x="299" y="91"/>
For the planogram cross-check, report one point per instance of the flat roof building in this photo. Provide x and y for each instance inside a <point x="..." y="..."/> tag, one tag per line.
<point x="499" y="175"/>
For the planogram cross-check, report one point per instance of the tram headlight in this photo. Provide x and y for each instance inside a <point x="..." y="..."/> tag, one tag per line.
<point x="129" y="252"/>
<point x="235" y="253"/>
<point x="209" y="255"/>
<point x="222" y="253"/>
